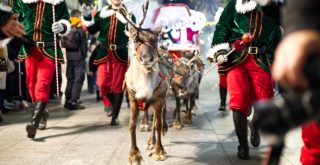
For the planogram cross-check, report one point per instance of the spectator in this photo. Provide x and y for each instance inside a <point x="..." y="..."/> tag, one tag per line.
<point x="76" y="49"/>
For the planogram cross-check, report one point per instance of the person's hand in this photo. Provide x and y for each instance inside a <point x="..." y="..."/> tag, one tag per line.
<point x="222" y="59"/>
<point x="57" y="27"/>
<point x="12" y="28"/>
<point x="291" y="56"/>
<point x="86" y="10"/>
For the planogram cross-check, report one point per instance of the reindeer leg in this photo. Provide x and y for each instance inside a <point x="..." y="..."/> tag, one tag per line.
<point x="158" y="152"/>
<point x="144" y="125"/>
<point x="135" y="155"/>
<point x="152" y="140"/>
<point x="164" y="123"/>
<point x="188" y="112"/>
<point x="177" y="122"/>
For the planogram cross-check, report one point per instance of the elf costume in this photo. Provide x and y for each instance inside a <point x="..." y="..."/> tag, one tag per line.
<point x="38" y="49"/>
<point x="112" y="57"/>
<point x="253" y="33"/>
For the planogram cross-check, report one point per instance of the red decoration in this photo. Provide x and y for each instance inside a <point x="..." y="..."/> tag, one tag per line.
<point x="247" y="38"/>
<point x="238" y="45"/>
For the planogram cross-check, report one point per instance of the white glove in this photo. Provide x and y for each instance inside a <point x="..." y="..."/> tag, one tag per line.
<point x="57" y="27"/>
<point x="222" y="59"/>
<point x="86" y="10"/>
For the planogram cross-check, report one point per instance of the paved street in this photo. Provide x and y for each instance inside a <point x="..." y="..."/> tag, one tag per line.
<point x="86" y="137"/>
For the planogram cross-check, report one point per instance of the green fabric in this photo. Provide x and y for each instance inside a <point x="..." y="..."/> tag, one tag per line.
<point x="102" y="25"/>
<point x="28" y="12"/>
<point x="233" y="25"/>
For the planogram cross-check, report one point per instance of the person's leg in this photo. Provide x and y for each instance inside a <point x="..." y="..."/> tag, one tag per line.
<point x="239" y="90"/>
<point x="31" y="73"/>
<point x="310" y="153"/>
<point x="222" y="92"/>
<point x="104" y="82"/>
<point x="262" y="87"/>
<point x="70" y="80"/>
<point x="44" y="74"/>
<point x="79" y="73"/>
<point x="119" y="70"/>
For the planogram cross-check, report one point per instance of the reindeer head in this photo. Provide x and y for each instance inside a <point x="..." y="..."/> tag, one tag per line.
<point x="145" y="42"/>
<point x="184" y="71"/>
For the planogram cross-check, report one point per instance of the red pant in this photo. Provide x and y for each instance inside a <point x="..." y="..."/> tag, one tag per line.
<point x="40" y="71"/>
<point x="247" y="83"/>
<point x="310" y="153"/>
<point x="110" y="77"/>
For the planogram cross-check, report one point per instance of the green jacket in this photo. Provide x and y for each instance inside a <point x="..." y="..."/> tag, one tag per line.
<point x="3" y="19"/>
<point x="112" y="26"/>
<point x="234" y="22"/>
<point x="37" y="18"/>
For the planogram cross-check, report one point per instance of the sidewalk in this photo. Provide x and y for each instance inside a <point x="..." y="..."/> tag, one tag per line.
<point x="86" y="137"/>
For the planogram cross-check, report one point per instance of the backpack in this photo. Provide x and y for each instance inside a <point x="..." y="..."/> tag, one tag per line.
<point x="71" y="41"/>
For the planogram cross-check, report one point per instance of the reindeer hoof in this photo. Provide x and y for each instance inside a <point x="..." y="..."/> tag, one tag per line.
<point x="135" y="159"/>
<point x="177" y="125"/>
<point x="150" y="147"/>
<point x="144" y="128"/>
<point x="187" y="121"/>
<point x="161" y="157"/>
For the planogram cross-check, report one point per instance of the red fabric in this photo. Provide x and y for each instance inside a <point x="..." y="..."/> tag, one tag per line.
<point x="248" y="83"/>
<point x="310" y="153"/>
<point x="175" y="54"/>
<point x="110" y="77"/>
<point x="238" y="45"/>
<point x="39" y="72"/>
<point x="222" y="80"/>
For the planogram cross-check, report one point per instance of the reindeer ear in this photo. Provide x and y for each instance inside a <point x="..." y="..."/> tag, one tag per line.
<point x="132" y="31"/>
<point x="158" y="29"/>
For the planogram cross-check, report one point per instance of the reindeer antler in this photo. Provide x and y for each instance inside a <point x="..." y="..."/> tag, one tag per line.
<point x="145" y="7"/>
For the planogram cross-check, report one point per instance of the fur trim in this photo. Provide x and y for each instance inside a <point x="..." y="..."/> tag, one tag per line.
<point x="87" y="23"/>
<point x="216" y="48"/>
<point x="67" y="23"/>
<point x="109" y="2"/>
<point x="246" y="6"/>
<point x="53" y="2"/>
<point x="106" y="12"/>
<point x="266" y="2"/>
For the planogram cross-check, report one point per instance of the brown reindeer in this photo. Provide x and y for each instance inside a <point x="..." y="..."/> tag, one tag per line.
<point x="144" y="84"/>
<point x="185" y="86"/>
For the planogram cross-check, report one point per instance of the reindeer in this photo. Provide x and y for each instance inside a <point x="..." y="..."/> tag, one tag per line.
<point x="144" y="84"/>
<point x="185" y="85"/>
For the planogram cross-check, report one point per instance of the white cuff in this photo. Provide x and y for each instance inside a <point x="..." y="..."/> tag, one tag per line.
<point x="67" y="24"/>
<point x="87" y="23"/>
<point x="216" y="48"/>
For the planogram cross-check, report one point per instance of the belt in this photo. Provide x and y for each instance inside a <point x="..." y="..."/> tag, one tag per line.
<point x="42" y="44"/>
<point x="114" y="46"/>
<point x="254" y="50"/>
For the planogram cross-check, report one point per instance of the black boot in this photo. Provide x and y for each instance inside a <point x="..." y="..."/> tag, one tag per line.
<point x="109" y="109"/>
<point x="116" y="104"/>
<point x="98" y="97"/>
<point x="43" y="121"/>
<point x="240" y="123"/>
<point x="223" y="98"/>
<point x="36" y="117"/>
<point x="254" y="129"/>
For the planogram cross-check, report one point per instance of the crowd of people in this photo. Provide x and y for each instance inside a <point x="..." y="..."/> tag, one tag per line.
<point x="244" y="45"/>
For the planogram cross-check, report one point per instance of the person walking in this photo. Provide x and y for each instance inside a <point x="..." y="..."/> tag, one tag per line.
<point x="254" y="34"/>
<point x="112" y="59"/>
<point x="38" y="50"/>
<point x="76" y="51"/>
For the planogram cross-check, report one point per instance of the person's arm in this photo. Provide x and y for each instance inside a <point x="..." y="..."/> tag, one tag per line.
<point x="301" y="15"/>
<point x="301" y="22"/>
<point x="63" y="18"/>
<point x="9" y="26"/>
<point x="220" y="45"/>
